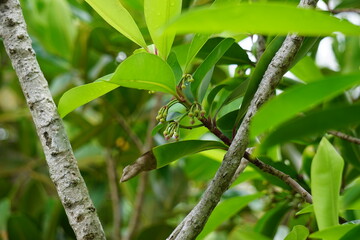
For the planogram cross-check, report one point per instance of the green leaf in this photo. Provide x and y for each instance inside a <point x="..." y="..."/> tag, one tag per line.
<point x="333" y="233"/>
<point x="268" y="224"/>
<point x="240" y="233"/>
<point x="257" y="75"/>
<point x="313" y="123"/>
<point x="163" y="155"/>
<point x="352" y="234"/>
<point x="307" y="209"/>
<point x="21" y="227"/>
<point x="145" y="71"/>
<point x="197" y="43"/>
<point x="207" y="65"/>
<point x="225" y="210"/>
<point x="119" y="18"/>
<point x="298" y="232"/>
<point x="5" y="213"/>
<point x="326" y="173"/>
<point x="81" y="95"/>
<point x="307" y="70"/>
<point x="170" y="152"/>
<point x="262" y="66"/>
<point x="297" y="99"/>
<point x="141" y="71"/>
<point x="263" y="18"/>
<point x="60" y="31"/>
<point x="157" y="14"/>
<point x="234" y="55"/>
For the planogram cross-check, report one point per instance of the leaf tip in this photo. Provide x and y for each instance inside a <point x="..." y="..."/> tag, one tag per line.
<point x="145" y="162"/>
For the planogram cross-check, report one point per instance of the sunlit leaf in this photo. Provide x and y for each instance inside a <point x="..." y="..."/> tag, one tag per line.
<point x="263" y="18"/>
<point x="119" y="18"/>
<point x="81" y="95"/>
<point x="141" y="71"/>
<point x="326" y="174"/>
<point x="297" y="99"/>
<point x="157" y="14"/>
<point x="145" y="71"/>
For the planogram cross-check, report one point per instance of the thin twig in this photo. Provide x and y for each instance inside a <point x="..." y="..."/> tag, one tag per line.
<point x="114" y="194"/>
<point x="345" y="137"/>
<point x="263" y="166"/>
<point x="61" y="161"/>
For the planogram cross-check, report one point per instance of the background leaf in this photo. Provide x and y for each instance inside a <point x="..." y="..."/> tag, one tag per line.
<point x="299" y="98"/>
<point x="326" y="173"/>
<point x="225" y="210"/>
<point x="313" y="123"/>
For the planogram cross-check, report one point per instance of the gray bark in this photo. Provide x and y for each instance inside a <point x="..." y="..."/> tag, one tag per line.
<point x="195" y="221"/>
<point x="62" y="164"/>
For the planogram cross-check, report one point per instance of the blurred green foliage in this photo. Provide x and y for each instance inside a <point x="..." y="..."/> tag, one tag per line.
<point x="75" y="46"/>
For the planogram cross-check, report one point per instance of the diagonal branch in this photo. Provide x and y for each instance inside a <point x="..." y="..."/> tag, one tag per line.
<point x="345" y="137"/>
<point x="63" y="168"/>
<point x="194" y="222"/>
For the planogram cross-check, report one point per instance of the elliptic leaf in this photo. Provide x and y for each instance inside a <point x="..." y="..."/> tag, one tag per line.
<point x="157" y="14"/>
<point x="81" y="95"/>
<point x="145" y="71"/>
<point x="142" y="71"/>
<point x="326" y="173"/>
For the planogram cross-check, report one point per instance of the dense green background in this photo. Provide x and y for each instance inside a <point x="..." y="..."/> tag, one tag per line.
<point x="75" y="46"/>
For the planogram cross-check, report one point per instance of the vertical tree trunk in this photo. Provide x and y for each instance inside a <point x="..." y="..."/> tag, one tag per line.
<point x="63" y="168"/>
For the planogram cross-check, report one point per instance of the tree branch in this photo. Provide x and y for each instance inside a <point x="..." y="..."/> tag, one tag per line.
<point x="345" y="137"/>
<point x="259" y="164"/>
<point x="63" y="168"/>
<point x="194" y="222"/>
